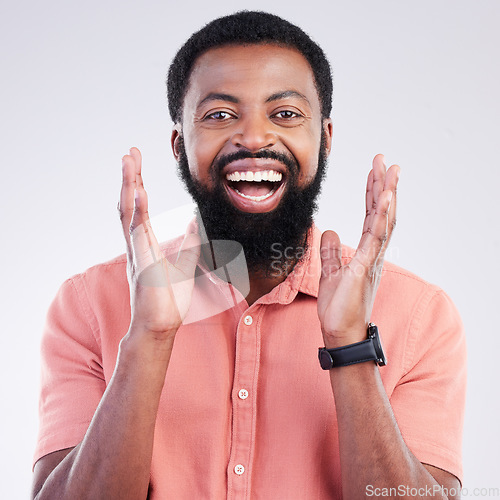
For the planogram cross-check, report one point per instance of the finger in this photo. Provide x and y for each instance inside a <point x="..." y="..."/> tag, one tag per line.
<point x="374" y="186"/>
<point x="378" y="176"/>
<point x="391" y="183"/>
<point x="373" y="198"/>
<point x="144" y="245"/>
<point x="181" y="274"/>
<point x="136" y="155"/>
<point x="392" y="178"/>
<point x="368" y="200"/>
<point x="374" y="239"/>
<point x="188" y="256"/>
<point x="331" y="253"/>
<point x="126" y="203"/>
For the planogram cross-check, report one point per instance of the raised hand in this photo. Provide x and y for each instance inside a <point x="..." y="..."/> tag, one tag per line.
<point x="346" y="293"/>
<point x="160" y="292"/>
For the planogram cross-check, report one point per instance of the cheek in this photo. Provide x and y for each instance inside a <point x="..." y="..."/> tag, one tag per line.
<point x="306" y="148"/>
<point x="201" y="153"/>
<point x="307" y="172"/>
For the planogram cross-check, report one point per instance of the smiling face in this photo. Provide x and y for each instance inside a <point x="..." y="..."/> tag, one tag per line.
<point x="249" y="99"/>
<point x="251" y="138"/>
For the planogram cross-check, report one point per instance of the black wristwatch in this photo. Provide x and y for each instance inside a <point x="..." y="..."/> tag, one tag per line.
<point x="366" y="350"/>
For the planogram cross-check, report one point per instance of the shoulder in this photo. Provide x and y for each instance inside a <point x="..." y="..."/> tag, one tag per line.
<point x="407" y="294"/>
<point x="106" y="284"/>
<point x="411" y="298"/>
<point x="116" y="267"/>
<point x="397" y="280"/>
<point x="416" y="316"/>
<point x="398" y="284"/>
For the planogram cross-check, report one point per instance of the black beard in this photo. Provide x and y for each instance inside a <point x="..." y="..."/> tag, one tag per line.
<point x="273" y="241"/>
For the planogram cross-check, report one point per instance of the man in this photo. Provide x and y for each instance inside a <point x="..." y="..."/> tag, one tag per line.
<point x="188" y="384"/>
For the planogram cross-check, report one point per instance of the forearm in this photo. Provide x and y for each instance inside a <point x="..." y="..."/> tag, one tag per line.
<point x="113" y="460"/>
<point x="372" y="450"/>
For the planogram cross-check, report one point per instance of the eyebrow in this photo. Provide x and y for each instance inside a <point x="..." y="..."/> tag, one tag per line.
<point x="285" y="94"/>
<point x="214" y="96"/>
<point x="217" y="96"/>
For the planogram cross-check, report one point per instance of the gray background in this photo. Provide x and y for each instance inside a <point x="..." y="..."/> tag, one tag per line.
<point x="83" y="82"/>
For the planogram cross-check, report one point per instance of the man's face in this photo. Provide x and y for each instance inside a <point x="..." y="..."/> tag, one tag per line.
<point x="250" y="142"/>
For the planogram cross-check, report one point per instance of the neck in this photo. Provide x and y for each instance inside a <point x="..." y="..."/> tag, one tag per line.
<point x="261" y="282"/>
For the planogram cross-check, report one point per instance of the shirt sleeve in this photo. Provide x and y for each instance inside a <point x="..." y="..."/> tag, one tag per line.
<point x="429" y="400"/>
<point x="72" y="379"/>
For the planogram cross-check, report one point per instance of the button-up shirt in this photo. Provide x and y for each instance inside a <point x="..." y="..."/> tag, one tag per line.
<point x="246" y="411"/>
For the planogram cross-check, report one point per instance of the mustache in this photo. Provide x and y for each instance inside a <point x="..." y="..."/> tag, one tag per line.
<point x="289" y="161"/>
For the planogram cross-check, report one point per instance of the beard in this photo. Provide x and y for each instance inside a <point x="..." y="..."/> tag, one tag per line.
<point x="273" y="242"/>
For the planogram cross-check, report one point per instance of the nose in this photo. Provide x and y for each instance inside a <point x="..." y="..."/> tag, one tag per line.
<point x="254" y="132"/>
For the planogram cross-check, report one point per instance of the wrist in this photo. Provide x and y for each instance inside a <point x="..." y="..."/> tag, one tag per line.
<point x="367" y="349"/>
<point x="334" y="340"/>
<point x="144" y="333"/>
<point x="139" y="374"/>
<point x="145" y="349"/>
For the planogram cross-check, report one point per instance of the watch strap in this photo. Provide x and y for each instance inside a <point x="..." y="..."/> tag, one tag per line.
<point x="353" y="353"/>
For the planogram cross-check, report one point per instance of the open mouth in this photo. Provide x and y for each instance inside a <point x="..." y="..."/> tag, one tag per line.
<point x="255" y="190"/>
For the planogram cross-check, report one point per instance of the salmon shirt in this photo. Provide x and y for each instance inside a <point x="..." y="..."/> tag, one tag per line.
<point x="246" y="411"/>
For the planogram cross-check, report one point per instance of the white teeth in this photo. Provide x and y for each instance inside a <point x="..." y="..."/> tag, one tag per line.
<point x="259" y="176"/>
<point x="262" y="175"/>
<point x="256" y="198"/>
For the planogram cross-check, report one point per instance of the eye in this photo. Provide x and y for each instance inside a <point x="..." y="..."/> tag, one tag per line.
<point x="218" y="116"/>
<point x="287" y="114"/>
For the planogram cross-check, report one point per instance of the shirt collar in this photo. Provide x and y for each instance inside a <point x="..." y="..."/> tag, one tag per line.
<point x="306" y="274"/>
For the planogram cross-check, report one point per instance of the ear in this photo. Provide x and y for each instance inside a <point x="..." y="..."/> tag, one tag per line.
<point x="174" y="140"/>
<point x="328" y="130"/>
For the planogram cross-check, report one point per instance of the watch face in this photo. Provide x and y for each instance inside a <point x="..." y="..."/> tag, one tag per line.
<point x="325" y="360"/>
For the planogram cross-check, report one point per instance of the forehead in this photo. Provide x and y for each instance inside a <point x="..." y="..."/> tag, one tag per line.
<point x="251" y="72"/>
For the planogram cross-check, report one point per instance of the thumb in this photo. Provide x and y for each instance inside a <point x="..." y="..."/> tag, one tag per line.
<point x="331" y="253"/>
<point x="188" y="255"/>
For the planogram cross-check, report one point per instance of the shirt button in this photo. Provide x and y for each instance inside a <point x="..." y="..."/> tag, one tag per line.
<point x="248" y="320"/>
<point x="243" y="394"/>
<point x="239" y="469"/>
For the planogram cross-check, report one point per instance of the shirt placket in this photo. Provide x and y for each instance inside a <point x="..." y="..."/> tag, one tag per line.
<point x="244" y="406"/>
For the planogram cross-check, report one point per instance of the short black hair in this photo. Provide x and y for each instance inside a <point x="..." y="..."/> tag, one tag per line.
<point x="246" y="28"/>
